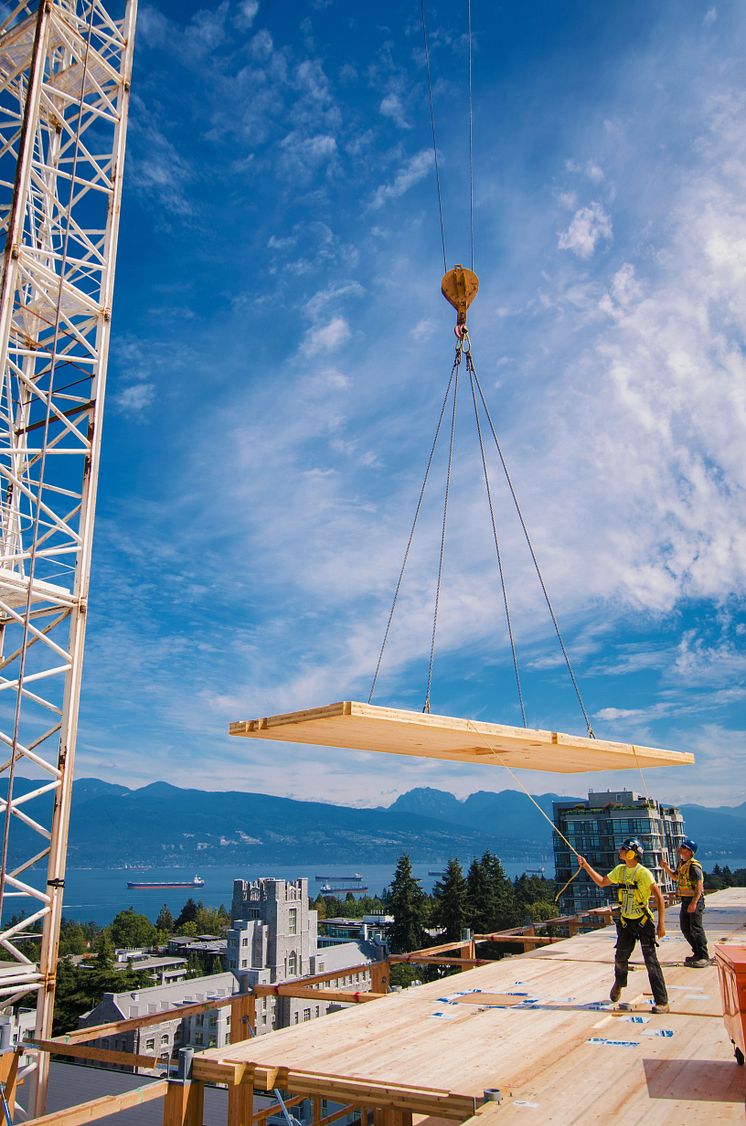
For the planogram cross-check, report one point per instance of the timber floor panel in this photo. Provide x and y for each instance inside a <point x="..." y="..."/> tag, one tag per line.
<point x="366" y="727"/>
<point x="545" y="1033"/>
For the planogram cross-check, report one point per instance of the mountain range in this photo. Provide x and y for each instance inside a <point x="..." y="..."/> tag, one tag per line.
<point x="161" y="825"/>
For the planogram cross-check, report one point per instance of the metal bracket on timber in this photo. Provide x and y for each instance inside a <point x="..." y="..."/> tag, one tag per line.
<point x="366" y="727"/>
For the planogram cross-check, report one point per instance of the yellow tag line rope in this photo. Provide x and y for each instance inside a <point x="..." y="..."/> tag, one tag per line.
<point x="493" y="751"/>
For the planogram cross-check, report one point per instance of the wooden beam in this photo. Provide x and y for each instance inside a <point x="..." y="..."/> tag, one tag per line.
<point x="86" y="1052"/>
<point x="415" y="958"/>
<point x="332" y="975"/>
<point x="327" y="1121"/>
<point x="528" y="940"/>
<point x="9" y="1075"/>
<point x="380" y="977"/>
<point x="101" y="1108"/>
<point x="422" y="1100"/>
<point x="243" y="1018"/>
<point x="262" y="1115"/>
<point x="391" y="1117"/>
<point x="95" y="1032"/>
<point x="241" y="1104"/>
<point x="219" y="1071"/>
<point x="299" y="989"/>
<point x="184" y="1104"/>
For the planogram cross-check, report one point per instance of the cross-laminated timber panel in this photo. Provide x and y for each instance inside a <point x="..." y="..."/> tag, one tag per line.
<point x="366" y="727"/>
<point x="539" y="1028"/>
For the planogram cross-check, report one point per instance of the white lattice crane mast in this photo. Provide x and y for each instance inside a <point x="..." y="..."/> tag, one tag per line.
<point x="65" y="68"/>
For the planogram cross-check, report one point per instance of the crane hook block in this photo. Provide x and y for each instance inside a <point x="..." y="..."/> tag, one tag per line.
<point x="459" y="287"/>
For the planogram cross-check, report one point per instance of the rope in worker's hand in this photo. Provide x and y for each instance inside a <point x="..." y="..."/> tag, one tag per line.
<point x="493" y="750"/>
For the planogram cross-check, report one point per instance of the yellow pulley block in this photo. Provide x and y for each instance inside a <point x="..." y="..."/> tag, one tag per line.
<point x="459" y="287"/>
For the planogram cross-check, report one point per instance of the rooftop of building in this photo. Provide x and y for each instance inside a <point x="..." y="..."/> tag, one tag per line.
<point x="137" y="1002"/>
<point x="345" y="954"/>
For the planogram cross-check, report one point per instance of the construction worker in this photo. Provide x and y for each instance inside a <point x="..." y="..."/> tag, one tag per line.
<point x="690" y="886"/>
<point x="636" y="884"/>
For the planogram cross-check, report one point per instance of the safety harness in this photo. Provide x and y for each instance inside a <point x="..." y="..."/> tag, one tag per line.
<point x="686" y="880"/>
<point x="630" y="895"/>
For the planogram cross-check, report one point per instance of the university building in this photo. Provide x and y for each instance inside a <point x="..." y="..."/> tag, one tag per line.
<point x="274" y="938"/>
<point x="596" y="829"/>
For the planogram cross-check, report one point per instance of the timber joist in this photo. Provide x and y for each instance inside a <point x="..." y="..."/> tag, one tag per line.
<point x="389" y="1096"/>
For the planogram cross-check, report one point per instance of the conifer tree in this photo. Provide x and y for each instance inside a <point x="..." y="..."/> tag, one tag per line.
<point x="479" y="896"/>
<point x="165" y="920"/>
<point x="449" y="901"/>
<point x="407" y="903"/>
<point x="504" y="903"/>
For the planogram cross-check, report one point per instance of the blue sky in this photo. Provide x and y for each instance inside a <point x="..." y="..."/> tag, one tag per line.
<point x="281" y="349"/>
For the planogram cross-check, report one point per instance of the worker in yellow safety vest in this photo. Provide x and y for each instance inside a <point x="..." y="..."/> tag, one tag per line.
<point x="635" y="885"/>
<point x="690" y="886"/>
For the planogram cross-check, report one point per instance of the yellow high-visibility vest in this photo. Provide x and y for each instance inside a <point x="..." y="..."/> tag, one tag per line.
<point x="686" y="880"/>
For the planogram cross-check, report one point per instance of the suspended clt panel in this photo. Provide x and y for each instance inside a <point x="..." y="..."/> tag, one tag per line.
<point x="365" y="727"/>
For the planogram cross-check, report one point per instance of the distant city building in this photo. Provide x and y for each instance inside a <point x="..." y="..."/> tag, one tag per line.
<point x="596" y="829"/>
<point x="274" y="938"/>
<point x="371" y="928"/>
<point x="163" y="970"/>
<point x="210" y="1029"/>
<point x="204" y="945"/>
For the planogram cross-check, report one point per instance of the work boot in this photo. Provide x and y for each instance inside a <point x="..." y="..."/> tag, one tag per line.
<point x="660" y="1008"/>
<point x="616" y="992"/>
<point x="699" y="963"/>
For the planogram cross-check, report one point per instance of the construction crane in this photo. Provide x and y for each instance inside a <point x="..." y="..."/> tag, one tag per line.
<point x="65" y="69"/>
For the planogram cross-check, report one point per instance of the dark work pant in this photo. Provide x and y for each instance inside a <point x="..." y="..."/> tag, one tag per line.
<point x="629" y="931"/>
<point x="692" y="927"/>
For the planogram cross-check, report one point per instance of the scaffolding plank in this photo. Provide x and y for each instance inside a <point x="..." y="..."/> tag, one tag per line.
<point x="367" y="727"/>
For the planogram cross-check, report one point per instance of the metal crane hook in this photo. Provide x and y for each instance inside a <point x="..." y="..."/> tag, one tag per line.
<point x="459" y="287"/>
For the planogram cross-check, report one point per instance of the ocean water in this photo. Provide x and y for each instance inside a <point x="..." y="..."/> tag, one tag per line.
<point x="96" y="895"/>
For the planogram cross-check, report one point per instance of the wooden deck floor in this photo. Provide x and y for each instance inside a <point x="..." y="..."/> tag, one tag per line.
<point x="545" y="1034"/>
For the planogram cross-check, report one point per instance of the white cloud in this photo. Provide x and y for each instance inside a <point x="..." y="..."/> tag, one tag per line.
<point x="261" y="46"/>
<point x="326" y="337"/>
<point x="587" y="227"/>
<point x="321" y="300"/>
<point x="247" y="13"/>
<point x="135" y="399"/>
<point x="391" y="106"/>
<point x="302" y="156"/>
<point x="415" y="169"/>
<point x="709" y="17"/>
<point x="424" y="329"/>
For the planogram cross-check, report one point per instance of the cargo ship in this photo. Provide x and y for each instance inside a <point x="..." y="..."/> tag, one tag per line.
<point x="357" y="878"/>
<point x="328" y="889"/>
<point x="197" y="882"/>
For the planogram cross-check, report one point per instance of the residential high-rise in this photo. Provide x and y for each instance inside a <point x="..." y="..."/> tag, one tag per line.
<point x="596" y="829"/>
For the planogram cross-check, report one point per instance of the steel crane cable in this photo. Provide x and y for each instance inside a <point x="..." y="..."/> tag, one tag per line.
<point x="532" y="552"/>
<point x="412" y="530"/>
<point x="470" y="370"/>
<point x="42" y="467"/>
<point x="446" y="492"/>
<point x="471" y="133"/>
<point x="471" y="140"/>
<point x="432" y="126"/>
